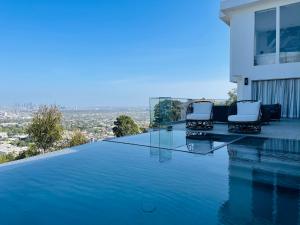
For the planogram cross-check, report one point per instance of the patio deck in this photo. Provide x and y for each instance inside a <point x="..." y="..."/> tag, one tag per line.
<point x="284" y="129"/>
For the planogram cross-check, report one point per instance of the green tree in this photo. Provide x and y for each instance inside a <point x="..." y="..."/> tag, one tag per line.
<point x="78" y="138"/>
<point x="232" y="96"/>
<point x="124" y="125"/>
<point x="46" y="127"/>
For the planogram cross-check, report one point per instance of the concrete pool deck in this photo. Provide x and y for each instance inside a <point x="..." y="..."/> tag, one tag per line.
<point x="284" y="129"/>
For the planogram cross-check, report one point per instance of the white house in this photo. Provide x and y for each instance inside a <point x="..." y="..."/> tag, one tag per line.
<point x="265" y="51"/>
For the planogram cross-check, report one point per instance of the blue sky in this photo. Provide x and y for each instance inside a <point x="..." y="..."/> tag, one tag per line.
<point x="111" y="52"/>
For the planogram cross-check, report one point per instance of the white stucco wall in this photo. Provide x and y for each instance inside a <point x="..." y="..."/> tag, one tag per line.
<point x="242" y="25"/>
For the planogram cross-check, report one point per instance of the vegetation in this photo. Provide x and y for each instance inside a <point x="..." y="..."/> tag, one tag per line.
<point x="232" y="96"/>
<point x="19" y="143"/>
<point x="124" y="125"/>
<point x="6" y="158"/>
<point x="28" y="137"/>
<point x="166" y="111"/>
<point x="143" y="129"/>
<point x="78" y="138"/>
<point x="46" y="128"/>
<point x="32" y="151"/>
<point x="13" y="130"/>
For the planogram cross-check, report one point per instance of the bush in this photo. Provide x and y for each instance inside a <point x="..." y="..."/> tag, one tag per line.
<point x="32" y="151"/>
<point x="78" y="138"/>
<point x="6" y="158"/>
<point x="19" y="143"/>
<point x="124" y="125"/>
<point x="46" y="127"/>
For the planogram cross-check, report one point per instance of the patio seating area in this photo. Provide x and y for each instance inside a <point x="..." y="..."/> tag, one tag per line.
<point x="245" y="118"/>
<point x="284" y="129"/>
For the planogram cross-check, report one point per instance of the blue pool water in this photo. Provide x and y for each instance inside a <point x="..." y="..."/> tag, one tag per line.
<point x="249" y="181"/>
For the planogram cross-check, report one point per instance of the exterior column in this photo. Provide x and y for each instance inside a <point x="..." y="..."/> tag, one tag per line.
<point x="243" y="91"/>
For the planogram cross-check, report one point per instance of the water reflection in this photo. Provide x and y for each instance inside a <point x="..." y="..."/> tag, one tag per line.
<point x="167" y="139"/>
<point x="199" y="146"/>
<point x="163" y="155"/>
<point x="264" y="181"/>
<point x="177" y="140"/>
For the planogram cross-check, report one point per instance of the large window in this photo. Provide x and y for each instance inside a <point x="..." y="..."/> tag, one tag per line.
<point x="265" y="37"/>
<point x="290" y="33"/>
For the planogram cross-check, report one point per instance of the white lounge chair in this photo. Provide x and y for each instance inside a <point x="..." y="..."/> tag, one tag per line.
<point x="247" y="119"/>
<point x="200" y="115"/>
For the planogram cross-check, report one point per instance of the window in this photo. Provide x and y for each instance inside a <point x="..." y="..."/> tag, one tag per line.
<point x="290" y="33"/>
<point x="265" y="37"/>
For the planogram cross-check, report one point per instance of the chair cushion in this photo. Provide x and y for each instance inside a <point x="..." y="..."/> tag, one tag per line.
<point x="243" y="118"/>
<point x="197" y="116"/>
<point x="248" y="108"/>
<point x="202" y="107"/>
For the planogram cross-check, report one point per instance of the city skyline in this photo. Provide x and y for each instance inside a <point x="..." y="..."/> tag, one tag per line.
<point x="111" y="53"/>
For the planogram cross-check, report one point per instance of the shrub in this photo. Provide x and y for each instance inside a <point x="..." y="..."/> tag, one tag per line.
<point x="124" y="125"/>
<point x="6" y="158"/>
<point x="78" y="138"/>
<point x="32" y="151"/>
<point x="46" y="127"/>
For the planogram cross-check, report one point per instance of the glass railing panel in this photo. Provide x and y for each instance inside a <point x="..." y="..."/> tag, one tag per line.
<point x="169" y="114"/>
<point x="166" y="111"/>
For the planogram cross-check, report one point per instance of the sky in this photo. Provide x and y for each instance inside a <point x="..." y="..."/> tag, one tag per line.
<point x="111" y="52"/>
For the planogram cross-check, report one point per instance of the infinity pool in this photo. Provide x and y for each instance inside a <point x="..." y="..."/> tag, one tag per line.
<point x="248" y="181"/>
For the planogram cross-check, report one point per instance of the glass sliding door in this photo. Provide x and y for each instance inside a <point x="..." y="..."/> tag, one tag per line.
<point x="282" y="91"/>
<point x="265" y="37"/>
<point x="290" y="33"/>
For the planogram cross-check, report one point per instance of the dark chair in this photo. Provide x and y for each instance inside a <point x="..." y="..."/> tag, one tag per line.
<point x="220" y="113"/>
<point x="273" y="111"/>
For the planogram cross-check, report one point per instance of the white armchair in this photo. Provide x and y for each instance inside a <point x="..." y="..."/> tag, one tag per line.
<point x="200" y="115"/>
<point x="247" y="119"/>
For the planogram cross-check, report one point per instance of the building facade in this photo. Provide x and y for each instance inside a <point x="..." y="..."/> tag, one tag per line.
<point x="265" y="51"/>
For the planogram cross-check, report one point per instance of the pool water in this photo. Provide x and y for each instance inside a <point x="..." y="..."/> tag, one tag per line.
<point x="248" y="181"/>
<point x="176" y="140"/>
